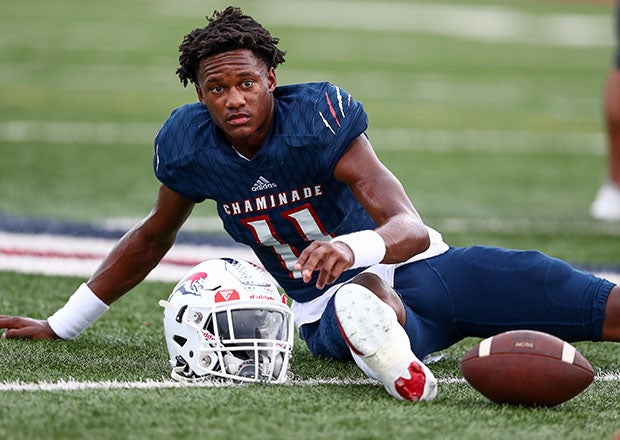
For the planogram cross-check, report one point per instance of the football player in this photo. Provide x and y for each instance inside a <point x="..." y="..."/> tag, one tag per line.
<point x="295" y="177"/>
<point x="606" y="205"/>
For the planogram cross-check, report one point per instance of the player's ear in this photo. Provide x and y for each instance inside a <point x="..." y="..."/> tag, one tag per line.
<point x="272" y="81"/>
<point x="199" y="93"/>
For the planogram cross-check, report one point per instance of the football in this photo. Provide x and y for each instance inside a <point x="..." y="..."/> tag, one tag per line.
<point x="526" y="367"/>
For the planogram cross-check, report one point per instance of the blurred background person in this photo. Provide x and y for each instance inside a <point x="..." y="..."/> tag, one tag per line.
<point x="606" y="205"/>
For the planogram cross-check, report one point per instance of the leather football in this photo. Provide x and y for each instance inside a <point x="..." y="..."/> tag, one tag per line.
<point x="526" y="367"/>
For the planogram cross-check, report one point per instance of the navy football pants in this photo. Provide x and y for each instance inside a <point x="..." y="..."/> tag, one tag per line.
<point x="481" y="291"/>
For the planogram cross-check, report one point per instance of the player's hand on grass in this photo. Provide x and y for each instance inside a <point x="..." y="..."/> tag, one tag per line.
<point x="26" y="328"/>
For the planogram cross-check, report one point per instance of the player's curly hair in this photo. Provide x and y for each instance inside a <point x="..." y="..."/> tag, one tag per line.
<point x="226" y="30"/>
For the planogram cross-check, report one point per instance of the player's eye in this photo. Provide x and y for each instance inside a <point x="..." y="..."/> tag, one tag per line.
<point x="217" y="89"/>
<point x="247" y="84"/>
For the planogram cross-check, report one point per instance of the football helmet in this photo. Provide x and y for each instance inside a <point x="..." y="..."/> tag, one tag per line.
<point x="226" y="318"/>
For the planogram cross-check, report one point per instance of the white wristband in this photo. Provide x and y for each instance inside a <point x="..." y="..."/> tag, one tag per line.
<point x="368" y="247"/>
<point x="81" y="310"/>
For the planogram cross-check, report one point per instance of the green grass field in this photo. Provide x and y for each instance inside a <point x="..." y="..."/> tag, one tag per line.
<point x="488" y="111"/>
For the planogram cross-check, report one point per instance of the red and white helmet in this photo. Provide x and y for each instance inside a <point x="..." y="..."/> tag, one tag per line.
<point x="226" y="318"/>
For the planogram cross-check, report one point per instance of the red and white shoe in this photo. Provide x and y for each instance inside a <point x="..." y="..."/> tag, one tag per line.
<point x="372" y="331"/>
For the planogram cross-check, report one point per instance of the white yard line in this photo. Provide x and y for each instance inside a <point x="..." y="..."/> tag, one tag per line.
<point x="66" y="255"/>
<point x="523" y="225"/>
<point x="153" y="384"/>
<point x="487" y="23"/>
<point x="495" y="24"/>
<point x="491" y="24"/>
<point x="516" y="142"/>
<point x="72" y="385"/>
<point x="79" y="256"/>
<point x="67" y="132"/>
<point x="411" y="139"/>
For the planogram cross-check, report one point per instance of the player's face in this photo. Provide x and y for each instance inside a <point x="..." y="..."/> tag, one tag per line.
<point x="237" y="88"/>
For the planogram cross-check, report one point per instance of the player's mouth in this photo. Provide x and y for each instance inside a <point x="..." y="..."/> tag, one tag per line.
<point x="238" y="119"/>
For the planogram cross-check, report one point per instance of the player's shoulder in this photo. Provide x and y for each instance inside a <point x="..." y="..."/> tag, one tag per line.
<point x="187" y="121"/>
<point x="309" y="109"/>
<point x="186" y="115"/>
<point x="311" y="95"/>
<point x="187" y="126"/>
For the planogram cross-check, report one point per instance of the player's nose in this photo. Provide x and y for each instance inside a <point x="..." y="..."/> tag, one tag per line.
<point x="235" y="98"/>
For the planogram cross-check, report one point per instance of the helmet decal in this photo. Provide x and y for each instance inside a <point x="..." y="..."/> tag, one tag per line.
<point x="224" y="295"/>
<point x="190" y="284"/>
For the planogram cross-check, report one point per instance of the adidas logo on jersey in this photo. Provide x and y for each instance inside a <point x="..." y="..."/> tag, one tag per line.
<point x="262" y="184"/>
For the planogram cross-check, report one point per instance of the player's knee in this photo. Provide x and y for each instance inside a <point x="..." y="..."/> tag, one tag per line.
<point x="384" y="291"/>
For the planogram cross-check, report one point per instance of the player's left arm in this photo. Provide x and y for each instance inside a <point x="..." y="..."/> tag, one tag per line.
<point x="384" y="198"/>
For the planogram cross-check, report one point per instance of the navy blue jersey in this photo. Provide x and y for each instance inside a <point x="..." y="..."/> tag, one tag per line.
<point x="286" y="196"/>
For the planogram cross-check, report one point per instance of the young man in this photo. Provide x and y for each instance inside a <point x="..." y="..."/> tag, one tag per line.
<point x="295" y="177"/>
<point x="606" y="205"/>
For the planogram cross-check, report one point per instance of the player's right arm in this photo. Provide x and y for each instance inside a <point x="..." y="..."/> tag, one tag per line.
<point x="127" y="264"/>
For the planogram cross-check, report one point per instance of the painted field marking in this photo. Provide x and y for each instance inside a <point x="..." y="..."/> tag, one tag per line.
<point x="72" y="385"/>
<point x="499" y="24"/>
<point x="390" y="139"/>
<point x="66" y="255"/>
